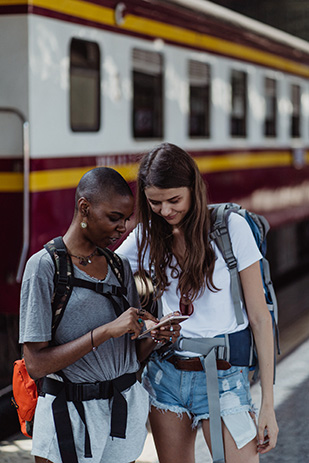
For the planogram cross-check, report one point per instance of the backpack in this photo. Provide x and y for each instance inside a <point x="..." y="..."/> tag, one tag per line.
<point x="25" y="393"/>
<point x="220" y="235"/>
<point x="25" y="396"/>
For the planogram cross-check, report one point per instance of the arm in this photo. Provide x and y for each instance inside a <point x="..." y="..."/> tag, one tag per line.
<point x="261" y="324"/>
<point x="42" y="359"/>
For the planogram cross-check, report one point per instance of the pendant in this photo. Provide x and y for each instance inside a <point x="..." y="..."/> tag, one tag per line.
<point x="83" y="262"/>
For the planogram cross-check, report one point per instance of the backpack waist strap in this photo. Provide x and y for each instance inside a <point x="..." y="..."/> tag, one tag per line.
<point x="77" y="393"/>
<point x="206" y="347"/>
<point x="235" y="348"/>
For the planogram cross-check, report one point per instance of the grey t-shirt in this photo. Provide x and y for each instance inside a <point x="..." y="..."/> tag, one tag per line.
<point x="85" y="311"/>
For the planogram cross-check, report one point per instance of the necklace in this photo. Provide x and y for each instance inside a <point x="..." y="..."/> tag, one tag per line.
<point x="85" y="260"/>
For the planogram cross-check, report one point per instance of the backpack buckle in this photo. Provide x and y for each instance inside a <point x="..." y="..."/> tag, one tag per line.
<point x="102" y="288"/>
<point x="63" y="280"/>
<point x="231" y="263"/>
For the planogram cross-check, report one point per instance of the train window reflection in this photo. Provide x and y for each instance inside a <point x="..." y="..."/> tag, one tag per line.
<point x="85" y="86"/>
<point x="238" y="123"/>
<point x="270" y="126"/>
<point x="295" y="117"/>
<point x="199" y="99"/>
<point x="147" y="94"/>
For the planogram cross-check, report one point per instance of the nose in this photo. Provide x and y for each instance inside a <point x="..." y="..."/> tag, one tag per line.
<point x="166" y="209"/>
<point x="122" y="226"/>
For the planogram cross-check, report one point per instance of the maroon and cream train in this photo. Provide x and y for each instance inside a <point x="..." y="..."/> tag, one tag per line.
<point x="97" y="82"/>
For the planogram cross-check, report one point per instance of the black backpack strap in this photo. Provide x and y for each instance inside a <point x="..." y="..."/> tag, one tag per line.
<point x="117" y="267"/>
<point x="115" y="262"/>
<point x="64" y="280"/>
<point x="63" y="273"/>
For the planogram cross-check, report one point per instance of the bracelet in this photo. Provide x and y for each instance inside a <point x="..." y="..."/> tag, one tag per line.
<point x="94" y="348"/>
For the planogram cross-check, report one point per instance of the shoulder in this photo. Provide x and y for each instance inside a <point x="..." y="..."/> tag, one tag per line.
<point x="40" y="265"/>
<point x="237" y="220"/>
<point x="238" y="226"/>
<point x="243" y="242"/>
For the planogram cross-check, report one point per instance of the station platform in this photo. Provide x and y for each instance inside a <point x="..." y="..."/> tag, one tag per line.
<point x="292" y="409"/>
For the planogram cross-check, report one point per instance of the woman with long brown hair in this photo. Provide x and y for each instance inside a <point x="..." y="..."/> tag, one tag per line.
<point x="172" y="242"/>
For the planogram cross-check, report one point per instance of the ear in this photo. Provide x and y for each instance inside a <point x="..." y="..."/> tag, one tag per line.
<point x="83" y="206"/>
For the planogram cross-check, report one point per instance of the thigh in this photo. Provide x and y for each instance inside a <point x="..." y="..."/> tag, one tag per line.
<point x="247" y="454"/>
<point x="173" y="435"/>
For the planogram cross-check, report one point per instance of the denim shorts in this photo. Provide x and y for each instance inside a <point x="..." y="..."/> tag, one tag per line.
<point x="186" y="391"/>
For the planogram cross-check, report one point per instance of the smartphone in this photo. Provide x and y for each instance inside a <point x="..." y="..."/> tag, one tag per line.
<point x="166" y="321"/>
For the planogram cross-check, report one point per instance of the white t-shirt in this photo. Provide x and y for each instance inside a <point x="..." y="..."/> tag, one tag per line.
<point x="213" y="311"/>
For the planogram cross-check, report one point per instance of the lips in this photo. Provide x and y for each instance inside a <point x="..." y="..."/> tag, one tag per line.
<point x="170" y="217"/>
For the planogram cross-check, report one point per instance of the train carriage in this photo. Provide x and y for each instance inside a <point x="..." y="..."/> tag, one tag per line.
<point x="98" y="82"/>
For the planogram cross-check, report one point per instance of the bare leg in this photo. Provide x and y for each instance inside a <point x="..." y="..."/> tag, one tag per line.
<point x="247" y="454"/>
<point x="173" y="435"/>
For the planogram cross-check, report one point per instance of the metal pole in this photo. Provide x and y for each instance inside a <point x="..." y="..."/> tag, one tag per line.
<point x="26" y="191"/>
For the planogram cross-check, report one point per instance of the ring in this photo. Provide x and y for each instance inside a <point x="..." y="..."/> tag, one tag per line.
<point x="140" y="320"/>
<point x="141" y="311"/>
<point x="171" y="338"/>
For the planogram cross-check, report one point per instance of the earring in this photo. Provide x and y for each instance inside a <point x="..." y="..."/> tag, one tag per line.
<point x="83" y="224"/>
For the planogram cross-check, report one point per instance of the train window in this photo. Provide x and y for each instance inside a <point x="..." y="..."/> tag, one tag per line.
<point x="270" y="125"/>
<point x="199" y="99"/>
<point x="85" y="93"/>
<point x="238" y="127"/>
<point x="147" y="94"/>
<point x="295" y="116"/>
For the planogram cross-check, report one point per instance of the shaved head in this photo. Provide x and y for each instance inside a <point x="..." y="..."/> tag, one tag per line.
<point x="100" y="184"/>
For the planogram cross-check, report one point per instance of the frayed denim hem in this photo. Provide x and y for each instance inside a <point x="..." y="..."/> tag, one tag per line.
<point x="169" y="408"/>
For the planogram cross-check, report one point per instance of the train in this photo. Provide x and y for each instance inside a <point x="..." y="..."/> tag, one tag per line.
<point x="86" y="83"/>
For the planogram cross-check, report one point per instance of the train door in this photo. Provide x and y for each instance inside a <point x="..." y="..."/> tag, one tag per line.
<point x="14" y="229"/>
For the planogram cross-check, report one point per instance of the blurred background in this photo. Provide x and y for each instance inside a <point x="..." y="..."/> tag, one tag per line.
<point x="290" y="16"/>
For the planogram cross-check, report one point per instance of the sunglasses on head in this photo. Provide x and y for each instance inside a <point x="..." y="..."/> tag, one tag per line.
<point x="185" y="306"/>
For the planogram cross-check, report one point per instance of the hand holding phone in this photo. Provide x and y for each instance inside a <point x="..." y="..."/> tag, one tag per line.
<point x="165" y="322"/>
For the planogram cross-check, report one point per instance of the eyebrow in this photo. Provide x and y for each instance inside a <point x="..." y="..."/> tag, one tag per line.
<point x="120" y="214"/>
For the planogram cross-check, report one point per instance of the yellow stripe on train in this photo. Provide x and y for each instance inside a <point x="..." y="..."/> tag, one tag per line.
<point x="103" y="15"/>
<point x="58" y="179"/>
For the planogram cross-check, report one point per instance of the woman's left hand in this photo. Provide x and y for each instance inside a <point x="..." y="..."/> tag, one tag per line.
<point x="267" y="429"/>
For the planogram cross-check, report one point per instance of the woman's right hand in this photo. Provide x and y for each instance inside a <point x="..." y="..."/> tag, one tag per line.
<point x="130" y="321"/>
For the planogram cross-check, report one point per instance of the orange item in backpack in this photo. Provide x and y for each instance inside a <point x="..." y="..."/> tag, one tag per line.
<point x="25" y="396"/>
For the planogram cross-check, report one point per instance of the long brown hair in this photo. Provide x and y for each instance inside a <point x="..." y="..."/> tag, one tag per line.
<point x="168" y="166"/>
